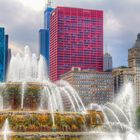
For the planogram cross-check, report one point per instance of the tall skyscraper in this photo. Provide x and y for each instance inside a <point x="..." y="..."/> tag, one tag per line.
<point x="134" y="63"/>
<point x="3" y="54"/>
<point x="44" y="36"/>
<point x="107" y="61"/>
<point x="44" y="44"/>
<point x="76" y="40"/>
<point x="47" y="14"/>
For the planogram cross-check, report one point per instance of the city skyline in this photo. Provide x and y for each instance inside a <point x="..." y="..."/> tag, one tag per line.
<point x="119" y="37"/>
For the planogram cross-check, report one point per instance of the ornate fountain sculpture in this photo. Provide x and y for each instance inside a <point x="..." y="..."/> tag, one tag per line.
<point x="32" y="104"/>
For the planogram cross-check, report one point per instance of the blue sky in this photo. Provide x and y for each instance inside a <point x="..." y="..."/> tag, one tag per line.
<point x="23" y="19"/>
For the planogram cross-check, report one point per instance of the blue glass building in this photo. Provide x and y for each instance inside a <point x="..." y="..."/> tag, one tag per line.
<point x="44" y="36"/>
<point x="44" y="44"/>
<point x="3" y="54"/>
<point x="47" y="14"/>
<point x="6" y="53"/>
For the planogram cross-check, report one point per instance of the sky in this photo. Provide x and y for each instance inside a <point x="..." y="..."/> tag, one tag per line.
<point x="22" y="20"/>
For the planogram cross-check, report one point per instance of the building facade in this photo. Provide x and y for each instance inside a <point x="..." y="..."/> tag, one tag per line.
<point x="76" y="40"/>
<point x="121" y="76"/>
<point x="3" y="54"/>
<point x="134" y="63"/>
<point x="92" y="86"/>
<point x="108" y="65"/>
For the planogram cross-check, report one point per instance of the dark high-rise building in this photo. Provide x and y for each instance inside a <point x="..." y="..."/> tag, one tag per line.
<point x="44" y="36"/>
<point x="107" y="62"/>
<point x="3" y="54"/>
<point x="76" y="40"/>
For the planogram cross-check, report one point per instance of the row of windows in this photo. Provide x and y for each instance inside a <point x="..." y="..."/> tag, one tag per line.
<point x="68" y="18"/>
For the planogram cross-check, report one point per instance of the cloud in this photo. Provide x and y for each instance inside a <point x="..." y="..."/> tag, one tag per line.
<point x="21" y="23"/>
<point x="112" y="24"/>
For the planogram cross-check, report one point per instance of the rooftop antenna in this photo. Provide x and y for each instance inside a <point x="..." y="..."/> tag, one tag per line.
<point x="48" y="3"/>
<point x="106" y="48"/>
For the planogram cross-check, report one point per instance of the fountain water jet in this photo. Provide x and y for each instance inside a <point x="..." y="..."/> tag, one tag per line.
<point x="23" y="88"/>
<point x="126" y="101"/>
<point x="6" y="130"/>
<point x="120" y="110"/>
<point x="27" y="67"/>
<point x="114" y="115"/>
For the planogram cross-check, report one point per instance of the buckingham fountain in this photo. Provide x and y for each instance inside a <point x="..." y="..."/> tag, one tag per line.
<point x="32" y="107"/>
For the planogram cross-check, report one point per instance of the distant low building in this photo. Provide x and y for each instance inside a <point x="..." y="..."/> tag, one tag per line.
<point x="107" y="62"/>
<point x="121" y="76"/>
<point x="92" y="86"/>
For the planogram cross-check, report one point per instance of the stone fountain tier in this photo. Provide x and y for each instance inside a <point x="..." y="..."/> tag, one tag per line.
<point x="12" y="94"/>
<point x="37" y="121"/>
